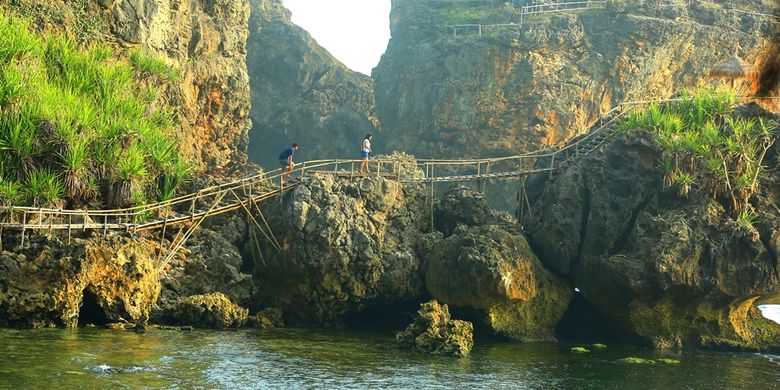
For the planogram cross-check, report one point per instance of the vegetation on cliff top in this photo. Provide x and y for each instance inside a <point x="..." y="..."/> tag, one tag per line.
<point x="80" y="126"/>
<point x="706" y="149"/>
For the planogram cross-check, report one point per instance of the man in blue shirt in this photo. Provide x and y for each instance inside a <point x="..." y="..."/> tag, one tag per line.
<point x="286" y="160"/>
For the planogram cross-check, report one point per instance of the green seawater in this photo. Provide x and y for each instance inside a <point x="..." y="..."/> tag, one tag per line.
<point x="291" y="359"/>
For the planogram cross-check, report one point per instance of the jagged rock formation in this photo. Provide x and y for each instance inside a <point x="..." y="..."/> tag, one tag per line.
<point x="491" y="269"/>
<point x="512" y="90"/>
<point x="300" y="93"/>
<point x="204" y="40"/>
<point x="433" y="331"/>
<point x="208" y="311"/>
<point x="211" y="263"/>
<point x="345" y="245"/>
<point x="675" y="271"/>
<point x="100" y="281"/>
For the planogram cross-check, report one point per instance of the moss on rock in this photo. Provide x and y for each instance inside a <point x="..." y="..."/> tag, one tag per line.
<point x="209" y="311"/>
<point x="435" y="332"/>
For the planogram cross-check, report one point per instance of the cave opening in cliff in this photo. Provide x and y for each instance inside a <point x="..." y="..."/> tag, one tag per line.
<point x="90" y="312"/>
<point x="583" y="323"/>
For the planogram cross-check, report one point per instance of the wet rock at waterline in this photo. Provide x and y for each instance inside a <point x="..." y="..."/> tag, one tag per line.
<point x="208" y="311"/>
<point x="343" y="245"/>
<point x="209" y="263"/>
<point x="677" y="271"/>
<point x="491" y="269"/>
<point x="433" y="331"/>
<point x="266" y="318"/>
<point x="94" y="281"/>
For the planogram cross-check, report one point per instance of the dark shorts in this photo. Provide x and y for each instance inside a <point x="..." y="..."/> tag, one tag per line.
<point x="364" y="154"/>
<point x="283" y="164"/>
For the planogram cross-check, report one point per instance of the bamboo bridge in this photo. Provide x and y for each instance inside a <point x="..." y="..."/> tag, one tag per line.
<point x="189" y="211"/>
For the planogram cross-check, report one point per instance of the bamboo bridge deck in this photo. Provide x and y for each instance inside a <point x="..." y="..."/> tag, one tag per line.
<point x="190" y="210"/>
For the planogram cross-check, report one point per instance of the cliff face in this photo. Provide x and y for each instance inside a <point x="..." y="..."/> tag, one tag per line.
<point x="300" y="93"/>
<point x="516" y="89"/>
<point x="205" y="41"/>
<point x="675" y="270"/>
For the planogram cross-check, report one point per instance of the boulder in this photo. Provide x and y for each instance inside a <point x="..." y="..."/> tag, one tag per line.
<point x="211" y="263"/>
<point x="491" y="269"/>
<point x="208" y="311"/>
<point x="266" y="318"/>
<point x="433" y="331"/>
<point x="345" y="245"/>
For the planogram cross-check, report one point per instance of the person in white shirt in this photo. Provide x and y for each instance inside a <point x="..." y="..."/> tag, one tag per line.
<point x="365" y="151"/>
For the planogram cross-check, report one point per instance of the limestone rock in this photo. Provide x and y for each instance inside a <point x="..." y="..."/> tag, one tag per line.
<point x="492" y="269"/>
<point x="204" y="40"/>
<point x="345" y="245"/>
<point x="300" y="93"/>
<point x="213" y="264"/>
<point x="674" y="271"/>
<point x="267" y="318"/>
<point x="514" y="89"/>
<point x="103" y="281"/>
<point x="435" y="332"/>
<point x="209" y="311"/>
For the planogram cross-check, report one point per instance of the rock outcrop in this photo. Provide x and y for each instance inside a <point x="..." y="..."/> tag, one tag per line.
<point x="212" y="263"/>
<point x="491" y="269"/>
<point x="433" y="331"/>
<point x="511" y="89"/>
<point x="204" y="41"/>
<point x="676" y="271"/>
<point x="345" y="245"/>
<point x="98" y="281"/>
<point x="300" y="93"/>
<point x="208" y="311"/>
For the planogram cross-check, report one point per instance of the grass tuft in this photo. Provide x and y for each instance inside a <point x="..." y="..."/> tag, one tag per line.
<point x="80" y="125"/>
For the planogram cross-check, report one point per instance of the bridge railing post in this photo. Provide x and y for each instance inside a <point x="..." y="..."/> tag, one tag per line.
<point x="24" y="226"/>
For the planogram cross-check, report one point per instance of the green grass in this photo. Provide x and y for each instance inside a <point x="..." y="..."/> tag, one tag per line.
<point x="149" y="65"/>
<point x="80" y="126"/>
<point x="705" y="149"/>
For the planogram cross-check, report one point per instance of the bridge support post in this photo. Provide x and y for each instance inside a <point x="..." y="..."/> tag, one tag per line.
<point x="552" y="165"/>
<point x="433" y="198"/>
<point x="70" y="221"/>
<point x="24" y="226"/>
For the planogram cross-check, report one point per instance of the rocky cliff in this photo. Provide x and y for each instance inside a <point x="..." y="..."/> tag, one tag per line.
<point x="204" y="41"/>
<point x="300" y="93"/>
<point x="676" y="270"/>
<point x="441" y="93"/>
<point x="100" y="281"/>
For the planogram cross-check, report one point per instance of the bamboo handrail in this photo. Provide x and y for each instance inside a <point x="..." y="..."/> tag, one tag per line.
<point x="112" y="219"/>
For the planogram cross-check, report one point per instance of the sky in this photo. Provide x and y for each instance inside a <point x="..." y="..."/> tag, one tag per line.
<point x="354" y="31"/>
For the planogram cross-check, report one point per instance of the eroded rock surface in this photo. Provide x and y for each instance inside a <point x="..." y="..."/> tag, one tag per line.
<point x="301" y="93"/>
<point x="676" y="271"/>
<point x="433" y="331"/>
<point x="493" y="270"/>
<point x="102" y="281"/>
<point x="345" y="244"/>
<point x="510" y="89"/>
<point x="208" y="311"/>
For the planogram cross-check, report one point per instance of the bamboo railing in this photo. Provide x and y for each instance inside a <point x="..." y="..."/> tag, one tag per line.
<point x="247" y="191"/>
